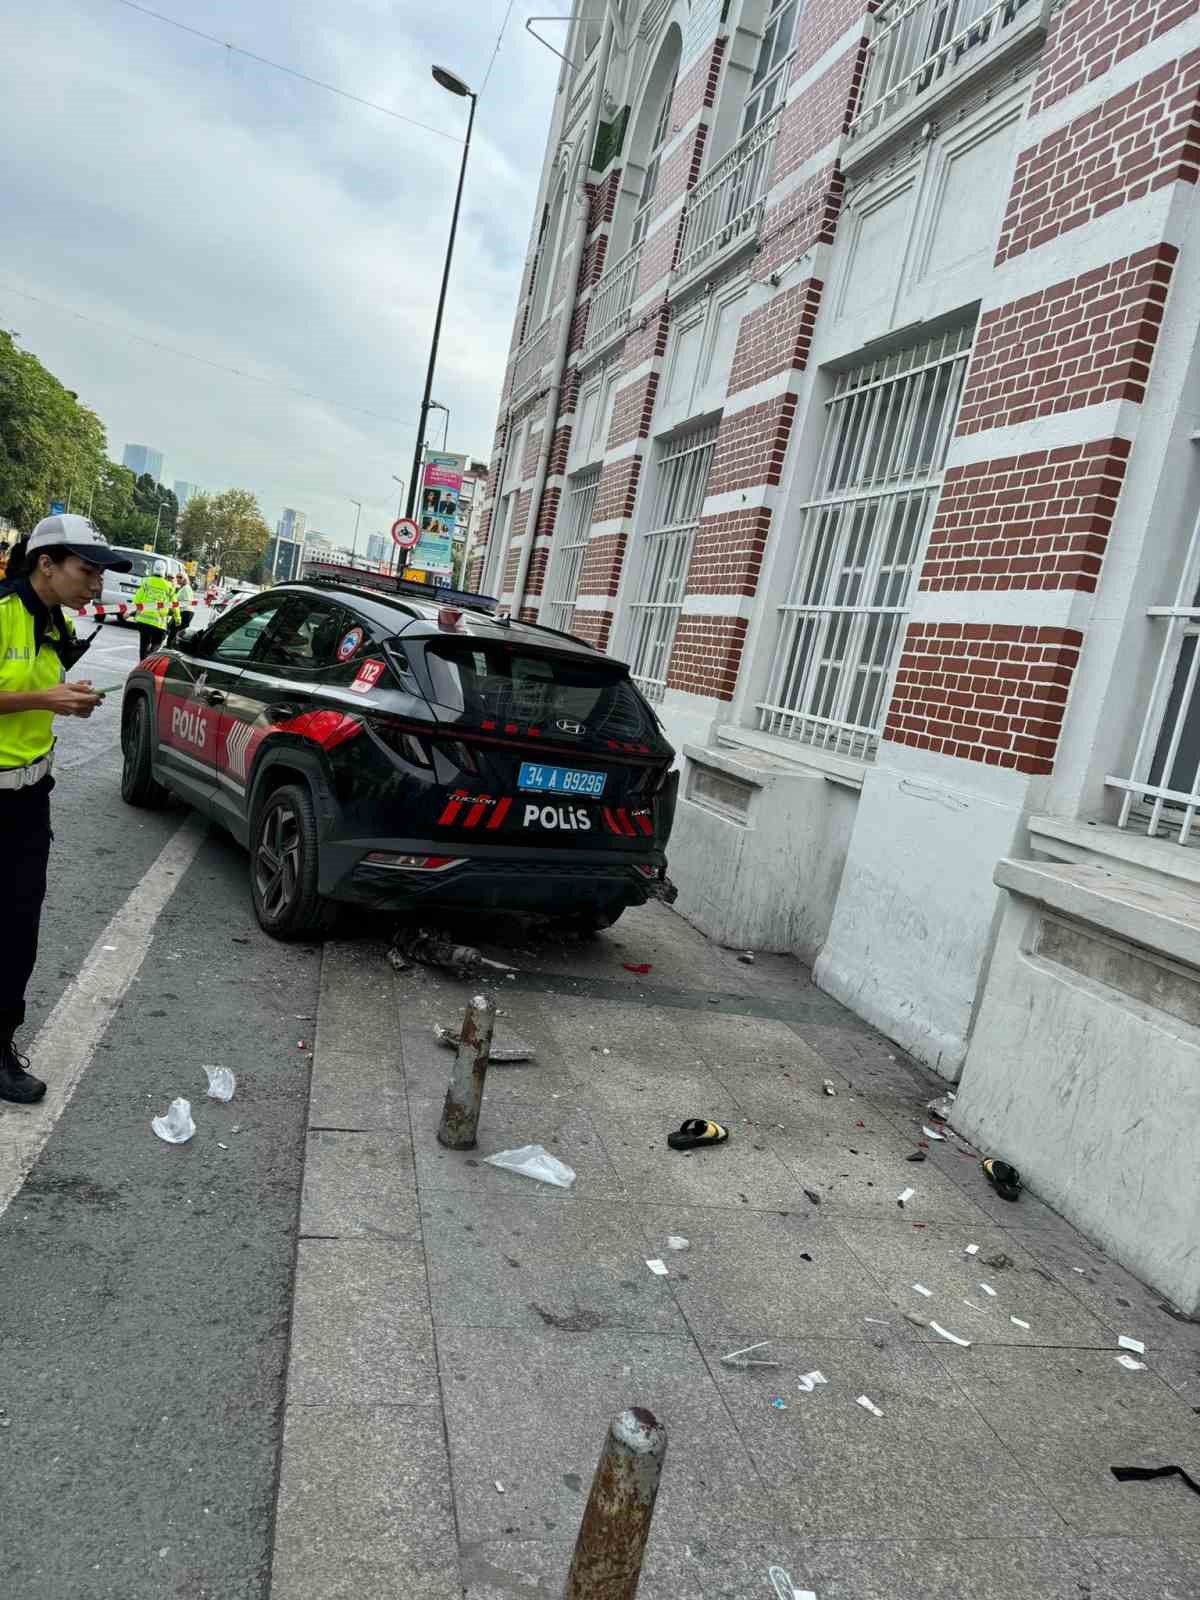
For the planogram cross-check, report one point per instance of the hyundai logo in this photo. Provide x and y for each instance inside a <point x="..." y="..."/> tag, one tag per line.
<point x="565" y="725"/>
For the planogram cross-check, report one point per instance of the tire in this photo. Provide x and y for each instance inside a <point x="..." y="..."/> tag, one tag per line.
<point x="284" y="852"/>
<point x="139" y="786"/>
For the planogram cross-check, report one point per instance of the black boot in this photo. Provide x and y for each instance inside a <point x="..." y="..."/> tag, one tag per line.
<point x="16" y="1083"/>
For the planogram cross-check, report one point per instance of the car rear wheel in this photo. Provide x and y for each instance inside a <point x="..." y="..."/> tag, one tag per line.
<point x="283" y="866"/>
<point x="139" y="786"/>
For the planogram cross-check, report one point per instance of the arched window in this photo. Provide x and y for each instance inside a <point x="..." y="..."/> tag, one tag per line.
<point x="768" y="84"/>
<point x="651" y="129"/>
<point x="650" y="177"/>
<point x="546" y="270"/>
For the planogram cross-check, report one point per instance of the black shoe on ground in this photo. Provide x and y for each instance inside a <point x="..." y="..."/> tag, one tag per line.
<point x="17" y="1084"/>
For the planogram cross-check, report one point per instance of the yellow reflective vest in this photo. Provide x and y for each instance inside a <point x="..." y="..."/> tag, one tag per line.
<point x="29" y="664"/>
<point x="156" y="591"/>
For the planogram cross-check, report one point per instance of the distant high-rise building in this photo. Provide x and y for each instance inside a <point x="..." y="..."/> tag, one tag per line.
<point x="185" y="491"/>
<point x="291" y="525"/>
<point x="377" y="547"/>
<point x="282" y="559"/>
<point x="141" y="458"/>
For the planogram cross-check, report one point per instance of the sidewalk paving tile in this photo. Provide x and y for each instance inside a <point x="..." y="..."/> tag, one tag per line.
<point x="863" y="1176"/>
<point x="361" y="1332"/>
<point x="838" y="1471"/>
<point x="501" y="1569"/>
<point x="744" y="1274"/>
<point x="639" y="1032"/>
<point x="560" y="1125"/>
<point x="1070" y="1415"/>
<point x="531" y="1410"/>
<point x="519" y="1261"/>
<point x="353" y="1092"/>
<point x="358" y="1183"/>
<point x="357" y="1008"/>
<point x="900" y="1255"/>
<point x="364" y="1509"/>
<point x="728" y="1042"/>
<point x="618" y="1085"/>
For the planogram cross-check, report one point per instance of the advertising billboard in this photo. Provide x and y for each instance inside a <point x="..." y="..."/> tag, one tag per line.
<point x="437" y="512"/>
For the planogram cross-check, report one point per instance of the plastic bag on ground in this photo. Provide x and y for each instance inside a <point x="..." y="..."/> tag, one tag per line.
<point x="221" y="1083"/>
<point x="177" y="1126"/>
<point x="533" y="1161"/>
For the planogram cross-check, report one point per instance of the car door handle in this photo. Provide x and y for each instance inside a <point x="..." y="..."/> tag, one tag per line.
<point x="215" y="697"/>
<point x="283" y="712"/>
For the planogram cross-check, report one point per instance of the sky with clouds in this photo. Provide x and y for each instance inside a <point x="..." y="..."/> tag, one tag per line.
<point x="163" y="187"/>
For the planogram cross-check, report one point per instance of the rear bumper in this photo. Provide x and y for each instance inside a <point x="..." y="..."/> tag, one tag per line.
<point x="546" y="882"/>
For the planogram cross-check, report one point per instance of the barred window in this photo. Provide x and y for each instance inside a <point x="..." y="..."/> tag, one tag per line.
<point x="861" y="535"/>
<point x="664" y="555"/>
<point x="769" y="82"/>
<point x="566" y="557"/>
<point x="658" y="138"/>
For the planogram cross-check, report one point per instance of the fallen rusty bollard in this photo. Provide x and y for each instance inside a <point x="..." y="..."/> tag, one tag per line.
<point x="464" y="1095"/>
<point x="607" y="1564"/>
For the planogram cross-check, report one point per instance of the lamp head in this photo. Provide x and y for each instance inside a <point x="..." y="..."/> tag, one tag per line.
<point x="451" y="81"/>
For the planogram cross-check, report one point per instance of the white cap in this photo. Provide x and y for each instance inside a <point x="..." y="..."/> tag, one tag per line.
<point x="81" y="537"/>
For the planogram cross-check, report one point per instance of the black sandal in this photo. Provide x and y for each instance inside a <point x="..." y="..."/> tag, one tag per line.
<point x="696" y="1132"/>
<point x="1004" y="1179"/>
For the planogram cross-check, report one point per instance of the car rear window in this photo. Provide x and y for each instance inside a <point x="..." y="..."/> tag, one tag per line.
<point x="142" y="561"/>
<point x="499" y="683"/>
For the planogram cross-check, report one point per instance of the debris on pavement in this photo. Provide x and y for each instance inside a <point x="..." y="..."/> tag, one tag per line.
<point x="971" y="1250"/>
<point x="221" y="1083"/>
<point x="932" y="1133"/>
<point x="640" y="967"/>
<point x="747" y="958"/>
<point x="917" y="1155"/>
<point x="779" y="1402"/>
<point x="513" y="1049"/>
<point x="944" y="1333"/>
<point x="1018" y="1323"/>
<point x="904" y="1197"/>
<point x="811" y="1194"/>
<point x="745" y="1358"/>
<point x="1005" y="1179"/>
<point x="988" y="1290"/>
<point x="808" y="1381"/>
<point x="921" y="1289"/>
<point x="999" y="1260"/>
<point x="533" y="1161"/>
<point x="499" y="1486"/>
<point x="676" y="1241"/>
<point x="781" y="1582"/>
<point x="658" y="1268"/>
<point x="1136" y="1345"/>
<point x="1145" y="1474"/>
<point x="942" y="1106"/>
<point x="696" y="1132"/>
<point x="868" y="1405"/>
<point x="177" y="1126"/>
<point x="430" y="949"/>
<point x="1130" y="1364"/>
<point x="829" y="1087"/>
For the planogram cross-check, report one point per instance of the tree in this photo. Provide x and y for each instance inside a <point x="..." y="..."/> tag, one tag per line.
<point x="226" y="529"/>
<point x="51" y="447"/>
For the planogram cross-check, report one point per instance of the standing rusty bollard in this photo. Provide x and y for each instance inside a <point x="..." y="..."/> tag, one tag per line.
<point x="464" y="1096"/>
<point x="607" y="1564"/>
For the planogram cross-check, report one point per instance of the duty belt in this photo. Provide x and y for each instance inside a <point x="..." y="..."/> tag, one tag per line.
<point x="26" y="777"/>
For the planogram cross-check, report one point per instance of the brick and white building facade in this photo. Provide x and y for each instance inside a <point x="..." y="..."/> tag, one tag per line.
<point x="854" y="399"/>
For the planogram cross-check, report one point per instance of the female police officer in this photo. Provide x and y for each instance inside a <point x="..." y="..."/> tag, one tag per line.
<point x="60" y="564"/>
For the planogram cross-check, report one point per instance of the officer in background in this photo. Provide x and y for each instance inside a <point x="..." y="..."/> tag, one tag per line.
<point x="185" y="599"/>
<point x="60" y="564"/>
<point x="157" y="593"/>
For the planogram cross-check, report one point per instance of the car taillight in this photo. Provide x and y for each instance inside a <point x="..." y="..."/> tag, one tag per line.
<point x="388" y="858"/>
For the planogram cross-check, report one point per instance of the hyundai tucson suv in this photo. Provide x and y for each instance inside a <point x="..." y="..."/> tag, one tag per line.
<point x="369" y="744"/>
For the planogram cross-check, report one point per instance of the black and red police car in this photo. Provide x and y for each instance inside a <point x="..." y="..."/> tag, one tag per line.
<point x="375" y="741"/>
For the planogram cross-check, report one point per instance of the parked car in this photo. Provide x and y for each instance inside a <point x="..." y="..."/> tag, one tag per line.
<point x="369" y="745"/>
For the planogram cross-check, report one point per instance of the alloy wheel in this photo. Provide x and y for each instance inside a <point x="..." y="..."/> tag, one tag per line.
<point x="277" y="860"/>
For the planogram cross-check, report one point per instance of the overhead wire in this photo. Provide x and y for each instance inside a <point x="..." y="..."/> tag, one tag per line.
<point x="292" y="72"/>
<point x="204" y="361"/>
<point x="496" y="51"/>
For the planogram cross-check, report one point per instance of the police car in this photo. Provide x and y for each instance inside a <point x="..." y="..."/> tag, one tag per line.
<point x="371" y="740"/>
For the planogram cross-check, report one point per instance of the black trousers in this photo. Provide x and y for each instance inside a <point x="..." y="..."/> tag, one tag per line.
<point x="149" y="639"/>
<point x="25" y="831"/>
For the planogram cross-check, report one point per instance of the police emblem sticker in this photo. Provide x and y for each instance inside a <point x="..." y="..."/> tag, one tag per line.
<point x="349" y="644"/>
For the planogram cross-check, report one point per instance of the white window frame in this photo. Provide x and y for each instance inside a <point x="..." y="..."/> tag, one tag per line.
<point x="658" y="139"/>
<point x="861" y="541"/>
<point x="767" y="88"/>
<point x="573" y="527"/>
<point x="665" y="553"/>
<point x="1172" y="704"/>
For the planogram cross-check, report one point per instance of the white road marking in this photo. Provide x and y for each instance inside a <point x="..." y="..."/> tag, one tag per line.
<point x="74" y="1028"/>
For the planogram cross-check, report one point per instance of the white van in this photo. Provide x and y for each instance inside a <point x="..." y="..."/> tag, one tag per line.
<point x="120" y="587"/>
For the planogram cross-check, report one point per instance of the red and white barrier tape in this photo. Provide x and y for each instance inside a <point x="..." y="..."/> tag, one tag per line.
<point x="123" y="609"/>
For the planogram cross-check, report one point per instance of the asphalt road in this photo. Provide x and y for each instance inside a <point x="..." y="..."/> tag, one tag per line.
<point x="145" y="1288"/>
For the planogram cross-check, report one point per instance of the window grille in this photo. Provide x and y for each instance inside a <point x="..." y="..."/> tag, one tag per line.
<point x="861" y="535"/>
<point x="664" y="555"/>
<point x="662" y="127"/>
<point x="566" y="558"/>
<point x="1163" y="788"/>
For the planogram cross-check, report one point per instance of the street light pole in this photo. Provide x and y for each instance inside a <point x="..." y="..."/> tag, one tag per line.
<point x="357" y="518"/>
<point x="436" y="405"/>
<point x="454" y="85"/>
<point x="157" y="525"/>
